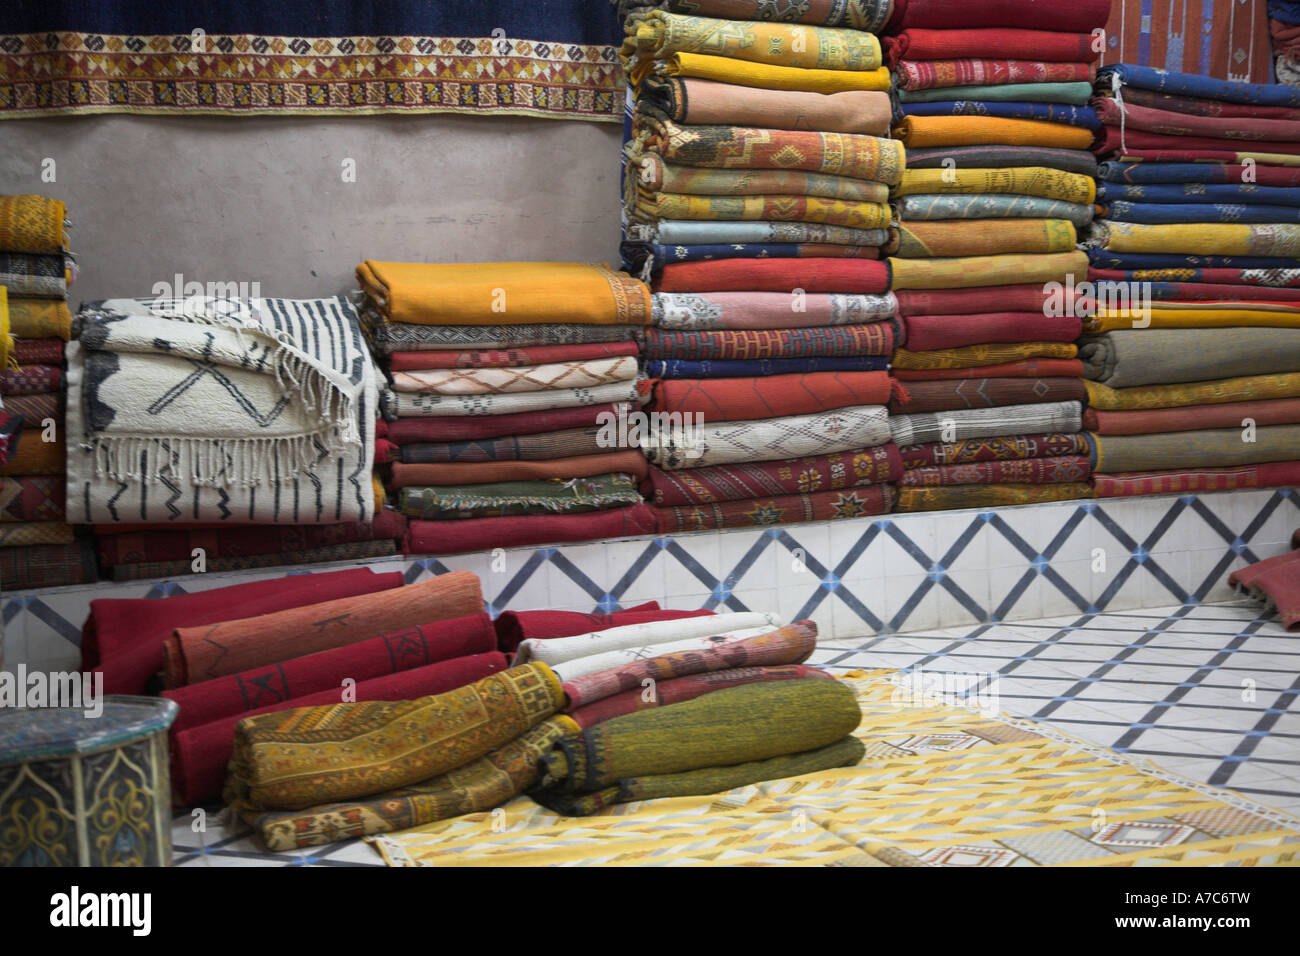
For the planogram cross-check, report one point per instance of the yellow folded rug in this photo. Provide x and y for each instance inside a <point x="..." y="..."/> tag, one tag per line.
<point x="763" y="76"/>
<point x="989" y="131"/>
<point x="1021" y="181"/>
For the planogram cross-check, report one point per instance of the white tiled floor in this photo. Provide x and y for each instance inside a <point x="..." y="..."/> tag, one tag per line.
<point x="1210" y="692"/>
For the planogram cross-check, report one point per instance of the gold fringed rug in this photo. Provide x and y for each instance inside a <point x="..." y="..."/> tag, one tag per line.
<point x="941" y="785"/>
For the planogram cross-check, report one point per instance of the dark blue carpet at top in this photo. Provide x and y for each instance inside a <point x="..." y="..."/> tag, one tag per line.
<point x="568" y="21"/>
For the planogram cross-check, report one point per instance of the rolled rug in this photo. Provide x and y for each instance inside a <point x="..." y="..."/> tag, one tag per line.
<point x="1278" y="411"/>
<point x="278" y="683"/>
<point x="193" y="654"/>
<point x="515" y="627"/>
<point x="480" y="534"/>
<point x="123" y="638"/>
<point x="201" y="754"/>
<point x="1279" y="588"/>
<point x="303" y="757"/>
<point x="1194" y="449"/>
<point x="1185" y="480"/>
<point x="985" y="422"/>
<point x="788" y="645"/>
<point x="783" y="509"/>
<point x="679" y="689"/>
<point x="487" y="293"/>
<point x="775" y="439"/>
<point x="739" y="725"/>
<point x="757" y="479"/>
<point x="580" y="667"/>
<point x="1130" y="357"/>
<point x="562" y="650"/>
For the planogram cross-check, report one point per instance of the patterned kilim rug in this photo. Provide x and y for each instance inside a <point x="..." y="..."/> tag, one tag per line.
<point x="941" y="785"/>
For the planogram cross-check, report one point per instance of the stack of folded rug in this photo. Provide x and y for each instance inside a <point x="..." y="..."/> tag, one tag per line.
<point x="757" y="185"/>
<point x="222" y="434"/>
<point x="672" y="707"/>
<point x="1193" y="350"/>
<point x="992" y="104"/>
<point x="511" y="387"/>
<point x="38" y="548"/>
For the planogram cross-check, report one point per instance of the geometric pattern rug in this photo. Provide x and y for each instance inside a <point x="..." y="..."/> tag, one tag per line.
<point x="941" y="784"/>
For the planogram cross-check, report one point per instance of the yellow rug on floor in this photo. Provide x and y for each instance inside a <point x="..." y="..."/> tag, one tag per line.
<point x="939" y="786"/>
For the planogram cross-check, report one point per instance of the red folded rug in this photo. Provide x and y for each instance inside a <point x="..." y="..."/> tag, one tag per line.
<point x="777" y="510"/>
<point x="1109" y="141"/>
<point x="772" y="396"/>
<point x="35" y="498"/>
<point x="1188" y="418"/>
<point x="484" y="534"/>
<point x="32" y="380"/>
<point x="194" y="654"/>
<point x="1079" y="16"/>
<point x="499" y="358"/>
<point x="514" y="627"/>
<point x="934" y="74"/>
<point x="759" y="479"/>
<point x="408" y="431"/>
<point x="38" y="351"/>
<point x="985" y="393"/>
<point x="996" y="43"/>
<point x="123" y="637"/>
<point x="200" y="754"/>
<point x="1227" y="294"/>
<point x="1002" y="448"/>
<point x="47" y="565"/>
<point x="1230" y="280"/>
<point x="1025" y="471"/>
<point x="1186" y="480"/>
<point x="388" y="654"/>
<point x="876" y="338"/>
<point x="678" y="689"/>
<point x="926" y="332"/>
<point x="1025" y="368"/>
<point x="775" y="275"/>
<point x="993" y="298"/>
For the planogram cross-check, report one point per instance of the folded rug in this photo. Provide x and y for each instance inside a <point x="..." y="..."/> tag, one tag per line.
<point x="950" y="72"/>
<point x="33" y="380"/>
<point x="509" y="358"/>
<point x="787" y="645"/>
<point x="774" y="478"/>
<point x="199" y="653"/>
<point x="994" y="299"/>
<point x="629" y="461"/>
<point x="985" y="393"/>
<point x="515" y="627"/>
<point x="955" y="497"/>
<point x="39" y="318"/>
<point x="1129" y="357"/>
<point x="35" y="409"/>
<point x="1041" y="181"/>
<point x="763" y="368"/>
<point x="775" y="439"/>
<point x="123" y="637"/>
<point x="1278" y="587"/>
<point x="413" y="405"/>
<point x="566" y="443"/>
<point x="991" y="206"/>
<point x="479" y="534"/>
<point x="34" y="224"/>
<point x="1032" y="471"/>
<point x="868" y="15"/>
<point x="775" y="275"/>
<point x="970" y="356"/>
<point x="985" y="270"/>
<point x="657" y="33"/>
<point x="708" y="103"/>
<point x="1198" y="238"/>
<point x="764" y="76"/>
<point x="746" y="147"/>
<point x="1277" y="411"/>
<point x="35" y="457"/>
<point x="980" y="237"/>
<point x="812" y="209"/>
<point x="588" y="373"/>
<point x="648" y="634"/>
<point x="390" y="337"/>
<point x="15" y="534"/>
<point x="1186" y="480"/>
<point x="1226" y="316"/>
<point x="692" y="311"/>
<point x="1079" y="17"/>
<point x="984" y="423"/>
<point x="520" y="498"/>
<point x="1194" y="449"/>
<point x="784" y="509"/>
<point x="40" y="276"/>
<point x="494" y="778"/>
<point x="1005" y="42"/>
<point x="302" y="757"/>
<point x="1132" y="143"/>
<point x="348" y="551"/>
<point x="1245" y="389"/>
<point x="1189" y="84"/>
<point x="282" y="682"/>
<point x="989" y="131"/>
<point x="406" y="431"/>
<point x="132" y="544"/>
<point x="927" y="332"/>
<point x="649" y="257"/>
<point x="679" y="689"/>
<point x="1005" y="109"/>
<point x="695" y="232"/>
<point x="488" y="293"/>
<point x="47" y="565"/>
<point x="1185" y="176"/>
<point x="736" y="399"/>
<point x="1152" y="212"/>
<point x="736" y="725"/>
<point x="47" y="351"/>
<point x="1073" y="94"/>
<point x="284" y="386"/>
<point x="1170" y="123"/>
<point x="1005" y="448"/>
<point x="876" y="338"/>
<point x="31" y="498"/>
<point x="1193" y="192"/>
